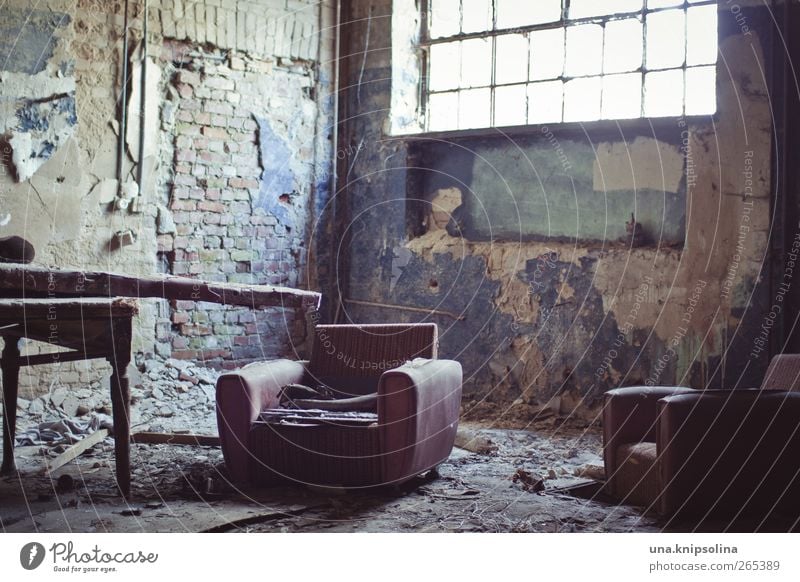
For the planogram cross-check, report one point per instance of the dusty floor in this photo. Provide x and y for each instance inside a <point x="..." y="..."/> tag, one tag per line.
<point x="546" y="478"/>
<point x="475" y="491"/>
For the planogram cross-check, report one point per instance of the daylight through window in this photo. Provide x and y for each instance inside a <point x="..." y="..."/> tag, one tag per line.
<point x="494" y="63"/>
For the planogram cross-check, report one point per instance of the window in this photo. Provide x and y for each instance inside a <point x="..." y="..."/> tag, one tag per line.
<point x="494" y="63"/>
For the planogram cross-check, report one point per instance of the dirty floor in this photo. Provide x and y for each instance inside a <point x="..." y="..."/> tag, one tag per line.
<point x="543" y="476"/>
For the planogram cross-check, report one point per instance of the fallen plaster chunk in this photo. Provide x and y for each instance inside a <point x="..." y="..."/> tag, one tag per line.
<point x="43" y="127"/>
<point x="164" y="222"/>
<point x="105" y="190"/>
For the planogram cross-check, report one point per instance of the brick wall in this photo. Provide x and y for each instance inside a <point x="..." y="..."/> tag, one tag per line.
<point x="234" y="220"/>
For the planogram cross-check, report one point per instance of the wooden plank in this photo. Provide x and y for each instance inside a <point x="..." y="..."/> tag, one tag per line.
<point x="23" y="280"/>
<point x="157" y="438"/>
<point x="75" y="450"/>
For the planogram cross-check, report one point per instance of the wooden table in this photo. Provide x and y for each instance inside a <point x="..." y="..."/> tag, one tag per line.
<point x="93" y="319"/>
<point x="89" y="328"/>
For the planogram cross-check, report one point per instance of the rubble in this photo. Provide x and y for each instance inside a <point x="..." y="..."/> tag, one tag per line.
<point x="168" y="395"/>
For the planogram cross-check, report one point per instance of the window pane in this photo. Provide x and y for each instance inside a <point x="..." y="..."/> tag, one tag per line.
<point x="663" y="3"/>
<point x="622" y="96"/>
<point x="584" y="8"/>
<point x="445" y="18"/>
<point x="445" y="66"/>
<point x="582" y="99"/>
<point x="511" y="59"/>
<point x="545" y="102"/>
<point x="512" y="13"/>
<point x="476" y="62"/>
<point x="665" y="39"/>
<point x="701" y="90"/>
<point x="663" y="93"/>
<point x="547" y="54"/>
<point x="701" y="30"/>
<point x="623" y="46"/>
<point x="584" y="50"/>
<point x="443" y="111"/>
<point x="473" y="108"/>
<point x="476" y="15"/>
<point x="509" y="105"/>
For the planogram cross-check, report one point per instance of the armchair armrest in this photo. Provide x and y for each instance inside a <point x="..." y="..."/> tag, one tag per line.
<point x="729" y="451"/>
<point x="629" y="416"/>
<point x="241" y="396"/>
<point x="418" y="409"/>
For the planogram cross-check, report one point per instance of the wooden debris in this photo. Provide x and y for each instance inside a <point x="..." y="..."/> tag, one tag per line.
<point x="158" y="438"/>
<point x="17" y="280"/>
<point x="76" y="450"/>
<point x="529" y="481"/>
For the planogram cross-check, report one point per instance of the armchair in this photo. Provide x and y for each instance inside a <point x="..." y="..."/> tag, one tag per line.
<point x="411" y="429"/>
<point x="707" y="453"/>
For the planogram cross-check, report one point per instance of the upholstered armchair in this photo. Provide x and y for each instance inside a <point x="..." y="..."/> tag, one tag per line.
<point x="409" y="428"/>
<point x="707" y="453"/>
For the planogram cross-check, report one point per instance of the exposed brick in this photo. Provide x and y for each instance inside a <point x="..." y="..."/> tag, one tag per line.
<point x="210" y="206"/>
<point x="165" y="243"/>
<point x="242" y="183"/>
<point x="219" y="83"/>
<point x="215" y="133"/>
<point x="189" y="77"/>
<point x="182" y="205"/>
<point x="185" y="155"/>
<point x="180" y="317"/>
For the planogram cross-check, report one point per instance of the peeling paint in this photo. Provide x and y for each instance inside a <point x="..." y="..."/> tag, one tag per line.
<point x="277" y="178"/>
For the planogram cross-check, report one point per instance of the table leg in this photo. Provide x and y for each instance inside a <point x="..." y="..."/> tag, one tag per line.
<point x="10" y="364"/>
<point x="121" y="405"/>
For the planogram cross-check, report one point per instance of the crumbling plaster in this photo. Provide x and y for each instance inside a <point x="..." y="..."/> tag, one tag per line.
<point x="552" y="323"/>
<point x="72" y="206"/>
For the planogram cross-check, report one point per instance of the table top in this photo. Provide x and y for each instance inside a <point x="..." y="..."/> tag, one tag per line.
<point x="68" y="308"/>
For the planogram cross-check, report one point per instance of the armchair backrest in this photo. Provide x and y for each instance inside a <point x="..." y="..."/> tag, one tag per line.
<point x="351" y="358"/>
<point x="783" y="373"/>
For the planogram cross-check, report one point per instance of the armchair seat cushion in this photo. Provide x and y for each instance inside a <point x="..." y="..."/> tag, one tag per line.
<point x="332" y="451"/>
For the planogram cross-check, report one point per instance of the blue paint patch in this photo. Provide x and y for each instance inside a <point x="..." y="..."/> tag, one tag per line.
<point x="28" y="38"/>
<point x="277" y="178"/>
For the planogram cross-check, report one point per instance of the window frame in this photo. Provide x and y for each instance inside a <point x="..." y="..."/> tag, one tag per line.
<point x="605" y="125"/>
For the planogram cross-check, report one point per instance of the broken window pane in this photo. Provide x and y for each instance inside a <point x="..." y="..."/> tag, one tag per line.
<point x="476" y="15"/>
<point x="547" y="54"/>
<point x="663" y="93"/>
<point x="443" y="111"/>
<point x="584" y="50"/>
<point x="509" y="105"/>
<point x="474" y="108"/>
<point x="582" y="99"/>
<point x="586" y="8"/>
<point x="701" y="35"/>
<point x="665" y="39"/>
<point x="511" y="59"/>
<point x="622" y="96"/>
<point x="513" y="13"/>
<point x="701" y="90"/>
<point x="444" y="66"/>
<point x="545" y="101"/>
<point x="445" y="18"/>
<point x="663" y="3"/>
<point x="476" y="62"/>
<point x="622" y="50"/>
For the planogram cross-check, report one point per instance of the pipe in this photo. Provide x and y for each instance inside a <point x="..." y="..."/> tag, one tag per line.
<point x="142" y="102"/>
<point x="335" y="164"/>
<point x="450" y="314"/>
<point x="123" y="99"/>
